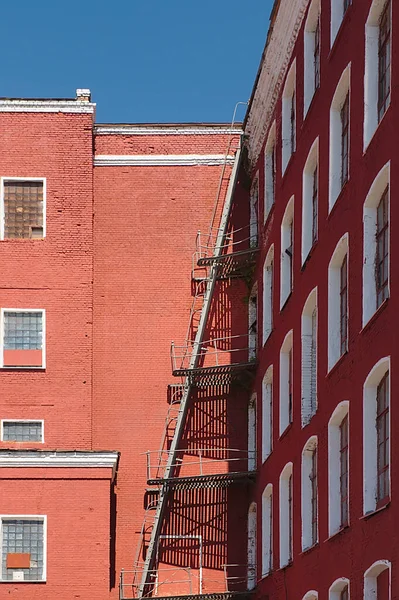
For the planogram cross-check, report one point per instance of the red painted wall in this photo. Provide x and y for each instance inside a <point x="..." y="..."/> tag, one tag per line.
<point x="350" y="553"/>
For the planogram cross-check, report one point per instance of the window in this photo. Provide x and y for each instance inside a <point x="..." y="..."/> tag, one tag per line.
<point x="23" y="338"/>
<point x="309" y="358"/>
<point x="287" y="253"/>
<point x="309" y="494"/>
<point x="289" y="117"/>
<point x="377" y="581"/>
<point x="311" y="595"/>
<point x="268" y="294"/>
<point x="376" y="437"/>
<point x="23" y="208"/>
<point x="338" y="10"/>
<point x="252" y="434"/>
<point x="343" y="308"/>
<point x="23" y="548"/>
<point x="253" y="324"/>
<point x="270" y="170"/>
<point x="339" y="137"/>
<point x="286" y="515"/>
<point x="338" y="468"/>
<point x="254" y="212"/>
<point x="345" y="141"/>
<point x="339" y="590"/>
<point x="310" y="201"/>
<point x="267" y="530"/>
<point x="286" y="383"/>
<point x="251" y="573"/>
<point x="22" y="431"/>
<point x="376" y="244"/>
<point x="267" y="413"/>
<point x="338" y="302"/>
<point x="377" y="79"/>
<point x="311" y="53"/>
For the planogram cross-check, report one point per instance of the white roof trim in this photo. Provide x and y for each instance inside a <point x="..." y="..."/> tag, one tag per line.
<point x="150" y="160"/>
<point x="178" y="130"/>
<point x="39" y="106"/>
<point x="64" y="459"/>
<point x="273" y="70"/>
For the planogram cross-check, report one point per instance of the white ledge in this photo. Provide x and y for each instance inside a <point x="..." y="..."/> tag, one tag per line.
<point x="54" y="458"/>
<point x="167" y="130"/>
<point x="53" y="106"/>
<point x="150" y="160"/>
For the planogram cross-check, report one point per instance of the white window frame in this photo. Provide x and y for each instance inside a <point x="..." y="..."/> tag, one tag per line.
<point x="286" y="544"/>
<point x="268" y="293"/>
<point x="2" y="211"/>
<point x="341" y="92"/>
<point x="310" y="170"/>
<point x="307" y="408"/>
<point x="288" y="93"/>
<point x="371" y="203"/>
<point x="370" y="579"/>
<point x="21" y="421"/>
<point x="370" y="468"/>
<point x="23" y="310"/>
<point x="270" y="172"/>
<point x="286" y="262"/>
<point x="334" y="592"/>
<point x="267" y="413"/>
<point x="334" y="300"/>
<point x="4" y="517"/>
<point x="306" y="493"/>
<point x="309" y="39"/>
<point x="251" y="548"/>
<point x="371" y="71"/>
<point x="267" y="530"/>
<point x="284" y="412"/>
<point x="337" y="16"/>
<point x="334" y="466"/>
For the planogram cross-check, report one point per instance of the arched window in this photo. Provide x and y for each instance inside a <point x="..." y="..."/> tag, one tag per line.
<point x="309" y="498"/>
<point x="267" y="530"/>
<point x="338" y="468"/>
<point x="289" y="117"/>
<point x="286" y="515"/>
<point x="338" y="302"/>
<point x="267" y="413"/>
<point x="311" y="53"/>
<point x="311" y="595"/>
<point x="338" y="10"/>
<point x="268" y="268"/>
<point x="339" y="590"/>
<point x="376" y="244"/>
<point x="377" y="581"/>
<point x="286" y="383"/>
<point x="253" y="323"/>
<point x="270" y="170"/>
<point x="252" y="434"/>
<point x="251" y="573"/>
<point x="310" y="200"/>
<point x="309" y="358"/>
<point x="376" y="437"/>
<point x="339" y="137"/>
<point x="254" y="212"/>
<point x="287" y="253"/>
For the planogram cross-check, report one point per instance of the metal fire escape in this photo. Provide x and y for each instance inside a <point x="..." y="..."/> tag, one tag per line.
<point x="199" y="363"/>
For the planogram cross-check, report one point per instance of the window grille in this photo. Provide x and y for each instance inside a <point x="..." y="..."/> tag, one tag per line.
<point x="345" y="141"/>
<point x="22" y="431"/>
<point x="23" y="330"/>
<point x="23" y="209"/>
<point x="382" y="250"/>
<point x="23" y="536"/>
<point x="343" y="294"/>
<point x="313" y="480"/>
<point x="344" y="470"/>
<point x="316" y="56"/>
<point x="382" y="424"/>
<point x="315" y="201"/>
<point x="384" y="61"/>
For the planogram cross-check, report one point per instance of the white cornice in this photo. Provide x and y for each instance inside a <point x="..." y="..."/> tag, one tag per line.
<point x="158" y="160"/>
<point x="38" y="106"/>
<point x="65" y="459"/>
<point x="159" y="130"/>
<point x="272" y="72"/>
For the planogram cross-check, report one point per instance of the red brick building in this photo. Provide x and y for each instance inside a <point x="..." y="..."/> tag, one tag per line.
<point x="251" y="455"/>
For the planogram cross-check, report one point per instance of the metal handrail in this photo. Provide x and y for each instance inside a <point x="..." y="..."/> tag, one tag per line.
<point x="210" y="247"/>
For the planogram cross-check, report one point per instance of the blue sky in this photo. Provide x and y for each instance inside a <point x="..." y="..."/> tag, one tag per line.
<point x="153" y="61"/>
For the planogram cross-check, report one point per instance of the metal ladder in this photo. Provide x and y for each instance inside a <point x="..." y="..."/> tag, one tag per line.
<point x="210" y="285"/>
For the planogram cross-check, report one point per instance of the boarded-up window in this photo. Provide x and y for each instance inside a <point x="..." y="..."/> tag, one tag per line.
<point x="23" y="339"/>
<point x="23" y="209"/>
<point x="22" y="549"/>
<point x="22" y="431"/>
